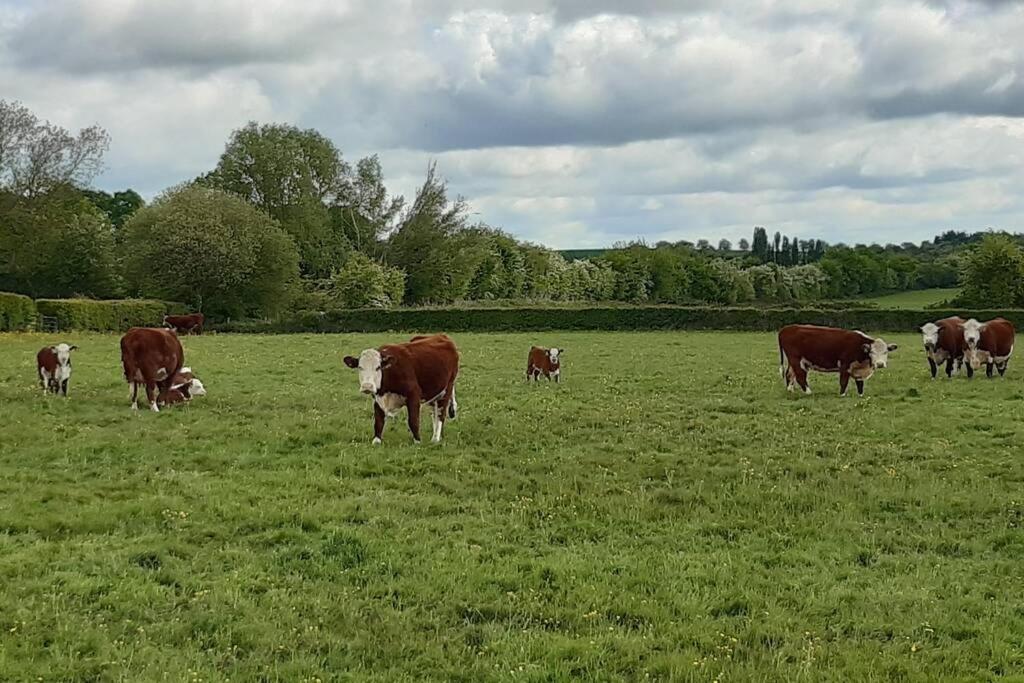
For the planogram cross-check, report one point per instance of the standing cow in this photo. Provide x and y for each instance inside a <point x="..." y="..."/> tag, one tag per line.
<point x="185" y="324"/>
<point x="53" y="365"/>
<point x="545" y="362"/>
<point x="422" y="370"/>
<point x="150" y="356"/>
<point x="989" y="343"/>
<point x="944" y="343"/>
<point x="851" y="353"/>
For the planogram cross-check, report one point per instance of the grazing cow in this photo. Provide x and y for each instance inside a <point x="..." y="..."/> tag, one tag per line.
<point x="185" y="324"/>
<point x="53" y="364"/>
<point x="422" y="370"/>
<point x="989" y="343"/>
<point x="829" y="349"/>
<point x="545" y="362"/>
<point x="944" y="343"/>
<point x="184" y="387"/>
<point x="150" y="356"/>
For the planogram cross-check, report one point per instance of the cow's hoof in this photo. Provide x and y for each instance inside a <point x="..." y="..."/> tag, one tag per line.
<point x="376" y="441"/>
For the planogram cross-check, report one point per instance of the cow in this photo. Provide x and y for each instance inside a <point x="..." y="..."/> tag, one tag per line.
<point x="545" y="362"/>
<point x="150" y="356"/>
<point x="851" y="353"/>
<point x="184" y="387"/>
<point x="944" y="343"/>
<point x="989" y="343"/>
<point x="422" y="370"/>
<point x="53" y="365"/>
<point x="185" y="324"/>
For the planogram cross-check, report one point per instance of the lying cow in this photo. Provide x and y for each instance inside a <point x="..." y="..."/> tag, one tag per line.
<point x="184" y="387"/>
<point x="153" y="357"/>
<point x="545" y="362"/>
<point x="829" y="349"/>
<point x="989" y="344"/>
<point x="53" y="365"/>
<point x="185" y="324"/>
<point x="944" y="343"/>
<point x="422" y="370"/>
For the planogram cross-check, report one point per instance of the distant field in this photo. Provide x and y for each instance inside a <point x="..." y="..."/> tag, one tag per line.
<point x="915" y="299"/>
<point x="669" y="512"/>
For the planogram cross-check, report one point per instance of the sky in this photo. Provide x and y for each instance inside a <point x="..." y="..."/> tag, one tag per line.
<point x="571" y="123"/>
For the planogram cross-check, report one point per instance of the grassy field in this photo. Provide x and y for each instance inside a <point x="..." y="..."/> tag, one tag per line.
<point x="668" y="513"/>
<point x="914" y="299"/>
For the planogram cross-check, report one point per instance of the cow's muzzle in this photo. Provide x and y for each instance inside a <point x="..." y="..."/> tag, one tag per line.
<point x="368" y="389"/>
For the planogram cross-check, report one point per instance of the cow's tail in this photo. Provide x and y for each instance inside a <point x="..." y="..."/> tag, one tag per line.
<point x="453" y="407"/>
<point x="782" y="363"/>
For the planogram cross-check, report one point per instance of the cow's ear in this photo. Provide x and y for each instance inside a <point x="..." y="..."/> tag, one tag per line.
<point x="73" y="348"/>
<point x="561" y="351"/>
<point x="866" y="348"/>
<point x="385" y="361"/>
<point x="893" y="347"/>
<point x="352" y="362"/>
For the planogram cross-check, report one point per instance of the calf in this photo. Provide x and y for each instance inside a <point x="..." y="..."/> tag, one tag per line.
<point x="545" y="362"/>
<point x="185" y="324"/>
<point x="989" y="343"/>
<point x="828" y="349"/>
<point x="53" y="365"/>
<point x="183" y="388"/>
<point x="153" y="357"/>
<point x="944" y="343"/>
<point x="422" y="370"/>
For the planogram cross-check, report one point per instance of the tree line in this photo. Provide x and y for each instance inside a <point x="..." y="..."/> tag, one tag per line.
<point x="285" y="223"/>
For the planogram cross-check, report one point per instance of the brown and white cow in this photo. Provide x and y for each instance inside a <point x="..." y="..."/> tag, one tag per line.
<point x="944" y="343"/>
<point x="185" y="324"/>
<point x="851" y="353"/>
<point x="989" y="343"/>
<point x="547" y="362"/>
<point x="53" y="365"/>
<point x="422" y="370"/>
<point x="184" y="387"/>
<point x="150" y="356"/>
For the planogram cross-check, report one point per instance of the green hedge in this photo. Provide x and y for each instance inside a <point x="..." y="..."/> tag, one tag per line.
<point x="106" y="316"/>
<point x="17" y="312"/>
<point x="645" y="318"/>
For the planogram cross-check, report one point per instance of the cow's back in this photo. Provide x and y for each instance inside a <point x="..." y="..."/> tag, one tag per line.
<point x="951" y="335"/>
<point x="822" y="347"/>
<point x="149" y="350"/>
<point x="538" y="358"/>
<point x="46" y="359"/>
<point x="433" y="362"/>
<point x="997" y="337"/>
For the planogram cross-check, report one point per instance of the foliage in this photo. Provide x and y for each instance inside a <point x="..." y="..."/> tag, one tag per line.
<point x="993" y="273"/>
<point x="363" y="212"/>
<point x="216" y="253"/>
<point x="37" y="157"/>
<point x="17" y="312"/>
<point x="107" y="315"/>
<point x="364" y="283"/>
<point x="118" y="207"/>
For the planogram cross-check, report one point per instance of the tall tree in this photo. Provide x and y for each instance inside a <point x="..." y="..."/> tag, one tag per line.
<point x="364" y="212"/>
<point x="760" y="246"/>
<point x="744" y="244"/>
<point x="777" y="247"/>
<point x="724" y="245"/>
<point x="118" y="207"/>
<point x="38" y="156"/>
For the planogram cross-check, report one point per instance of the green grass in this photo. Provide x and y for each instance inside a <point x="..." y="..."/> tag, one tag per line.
<point x="915" y="299"/>
<point x="668" y="513"/>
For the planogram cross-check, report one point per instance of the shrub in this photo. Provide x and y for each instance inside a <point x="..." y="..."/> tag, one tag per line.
<point x="106" y="316"/>
<point x="364" y="283"/>
<point x="17" y="312"/>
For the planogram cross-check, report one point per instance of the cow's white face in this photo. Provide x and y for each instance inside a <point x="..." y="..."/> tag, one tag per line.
<point x="63" y="353"/>
<point x="972" y="333"/>
<point x="930" y="335"/>
<point x="371" y="370"/>
<point x="196" y="388"/>
<point x="879" y="352"/>
<point x="554" y="354"/>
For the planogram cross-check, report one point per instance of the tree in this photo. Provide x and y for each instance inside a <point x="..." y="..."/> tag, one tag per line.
<point x="744" y="244"/>
<point x="118" y="207"/>
<point x="363" y="212"/>
<point x="784" y="253"/>
<point x="724" y="245"/>
<point x="364" y="283"/>
<point x="760" y="246"/>
<point x="993" y="273"/>
<point x="293" y="175"/>
<point x="776" y="248"/>
<point x="704" y="245"/>
<point x="38" y="156"/>
<point x="211" y="250"/>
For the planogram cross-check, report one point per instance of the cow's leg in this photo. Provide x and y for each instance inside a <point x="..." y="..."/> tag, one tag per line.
<point x="989" y="366"/>
<point x="64" y="388"/>
<point x="558" y="376"/>
<point x="1002" y="368"/>
<point x="844" y="380"/>
<point x="412" y="405"/>
<point x="800" y="375"/>
<point x="378" y="423"/>
<point x="933" y="366"/>
<point x="453" y="405"/>
<point x="133" y="394"/>
<point x="436" y="421"/>
<point x="970" y="369"/>
<point x="949" y="368"/>
<point x="151" y="395"/>
<point x="42" y="380"/>
<point x="860" y="387"/>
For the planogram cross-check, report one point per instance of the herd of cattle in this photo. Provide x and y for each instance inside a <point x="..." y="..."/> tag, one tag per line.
<point x="423" y="370"/>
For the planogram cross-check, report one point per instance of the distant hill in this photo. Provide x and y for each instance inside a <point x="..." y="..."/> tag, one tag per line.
<point x="577" y="254"/>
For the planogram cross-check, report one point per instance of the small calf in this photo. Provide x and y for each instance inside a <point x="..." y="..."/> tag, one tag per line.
<point x="547" y="362"/>
<point x="53" y="364"/>
<point x="184" y="387"/>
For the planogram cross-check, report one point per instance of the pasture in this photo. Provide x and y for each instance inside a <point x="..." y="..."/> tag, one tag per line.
<point x="914" y="299"/>
<point x="668" y="512"/>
